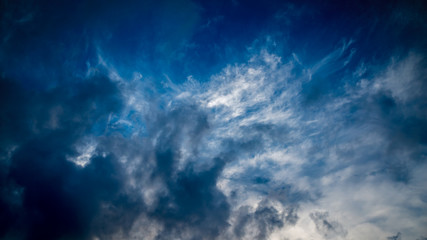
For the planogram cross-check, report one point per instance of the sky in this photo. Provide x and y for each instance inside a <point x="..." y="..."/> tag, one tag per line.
<point x="190" y="119"/>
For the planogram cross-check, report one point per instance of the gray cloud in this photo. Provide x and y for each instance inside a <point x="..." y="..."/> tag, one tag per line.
<point x="398" y="236"/>
<point x="260" y="222"/>
<point x="328" y="228"/>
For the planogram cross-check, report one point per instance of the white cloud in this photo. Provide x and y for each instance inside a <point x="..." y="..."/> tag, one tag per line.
<point x="86" y="149"/>
<point x="402" y="78"/>
<point x="354" y="189"/>
<point x="336" y="163"/>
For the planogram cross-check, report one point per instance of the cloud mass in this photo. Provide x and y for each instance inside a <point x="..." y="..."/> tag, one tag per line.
<point x="213" y="120"/>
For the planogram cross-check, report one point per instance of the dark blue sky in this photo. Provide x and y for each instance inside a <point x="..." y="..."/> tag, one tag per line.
<point x="181" y="119"/>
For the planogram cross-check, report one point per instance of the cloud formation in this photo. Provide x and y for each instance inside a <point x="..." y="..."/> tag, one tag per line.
<point x="167" y="121"/>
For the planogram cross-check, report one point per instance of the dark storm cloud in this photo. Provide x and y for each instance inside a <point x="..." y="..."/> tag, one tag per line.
<point x="59" y="200"/>
<point x="44" y="195"/>
<point x="44" y="114"/>
<point x="187" y="202"/>
<point x="72" y="108"/>
<point x="192" y="205"/>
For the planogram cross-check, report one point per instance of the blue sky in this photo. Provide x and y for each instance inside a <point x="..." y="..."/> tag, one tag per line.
<point x="182" y="119"/>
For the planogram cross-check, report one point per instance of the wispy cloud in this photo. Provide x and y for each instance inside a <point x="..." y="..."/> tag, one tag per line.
<point x="274" y="143"/>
